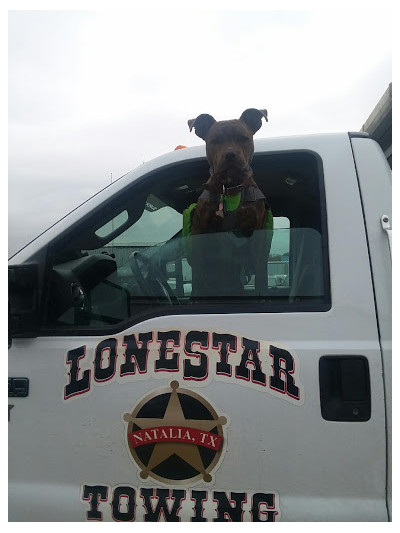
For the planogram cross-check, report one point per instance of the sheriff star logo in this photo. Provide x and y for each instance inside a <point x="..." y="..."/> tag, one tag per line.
<point x="175" y="435"/>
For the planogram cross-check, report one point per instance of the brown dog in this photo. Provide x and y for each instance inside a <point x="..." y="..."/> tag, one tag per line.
<point x="229" y="149"/>
<point x="220" y="265"/>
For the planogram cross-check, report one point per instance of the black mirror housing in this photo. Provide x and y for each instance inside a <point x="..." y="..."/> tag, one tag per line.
<point x="23" y="300"/>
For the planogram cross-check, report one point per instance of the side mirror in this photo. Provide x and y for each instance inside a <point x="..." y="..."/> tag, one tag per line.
<point x="23" y="301"/>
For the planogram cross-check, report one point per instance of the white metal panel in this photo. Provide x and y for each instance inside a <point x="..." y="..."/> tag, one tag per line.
<point x="375" y="180"/>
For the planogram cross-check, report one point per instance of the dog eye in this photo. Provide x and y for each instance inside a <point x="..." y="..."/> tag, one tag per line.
<point x="242" y="139"/>
<point x="216" y="140"/>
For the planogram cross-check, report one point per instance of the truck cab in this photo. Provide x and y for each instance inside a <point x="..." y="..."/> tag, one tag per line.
<point x="133" y="396"/>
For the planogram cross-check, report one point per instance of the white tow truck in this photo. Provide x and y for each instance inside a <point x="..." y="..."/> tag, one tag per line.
<point x="132" y="397"/>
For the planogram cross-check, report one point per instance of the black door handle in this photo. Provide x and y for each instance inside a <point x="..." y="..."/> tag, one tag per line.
<point x="344" y="386"/>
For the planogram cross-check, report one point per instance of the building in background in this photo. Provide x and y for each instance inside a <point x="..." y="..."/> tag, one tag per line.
<point x="379" y="124"/>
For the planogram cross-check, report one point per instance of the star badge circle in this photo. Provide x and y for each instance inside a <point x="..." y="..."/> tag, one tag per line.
<point x="175" y="436"/>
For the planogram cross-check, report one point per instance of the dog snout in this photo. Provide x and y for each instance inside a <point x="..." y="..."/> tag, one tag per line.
<point x="230" y="156"/>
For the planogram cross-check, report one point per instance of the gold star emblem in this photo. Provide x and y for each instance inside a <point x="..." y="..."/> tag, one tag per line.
<point x="176" y="435"/>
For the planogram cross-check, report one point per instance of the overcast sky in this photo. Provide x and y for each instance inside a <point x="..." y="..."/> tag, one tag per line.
<point x="94" y="93"/>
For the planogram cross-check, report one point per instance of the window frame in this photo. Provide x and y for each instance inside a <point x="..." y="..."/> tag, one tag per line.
<point x="113" y="204"/>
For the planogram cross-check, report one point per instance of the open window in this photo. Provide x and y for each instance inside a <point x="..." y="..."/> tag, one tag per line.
<point x="130" y="259"/>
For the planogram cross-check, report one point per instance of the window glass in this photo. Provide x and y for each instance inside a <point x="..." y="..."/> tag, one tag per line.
<point x="141" y="262"/>
<point x="278" y="262"/>
<point x="112" y="225"/>
<point x="153" y="227"/>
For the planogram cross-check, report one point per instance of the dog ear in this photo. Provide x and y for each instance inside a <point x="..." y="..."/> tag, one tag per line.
<point x="252" y="118"/>
<point x="201" y="125"/>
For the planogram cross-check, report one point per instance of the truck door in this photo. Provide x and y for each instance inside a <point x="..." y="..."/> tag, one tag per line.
<point x="150" y="401"/>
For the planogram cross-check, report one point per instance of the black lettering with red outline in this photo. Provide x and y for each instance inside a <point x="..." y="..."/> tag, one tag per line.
<point x="199" y="497"/>
<point x="136" y="353"/>
<point x="154" y="515"/>
<point x="259" y="499"/>
<point x="282" y="379"/>
<point x="166" y="504"/>
<point x="171" y="353"/>
<point x="197" y="372"/>
<point x="75" y="385"/>
<point x="229" y="510"/>
<point x="130" y="494"/>
<point x="163" y="363"/>
<point x="94" y="494"/>
<point x="105" y="374"/>
<point x="242" y="372"/>
<point x="224" y="343"/>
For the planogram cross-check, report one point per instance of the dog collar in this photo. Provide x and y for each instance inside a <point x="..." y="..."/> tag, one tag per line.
<point x="230" y="191"/>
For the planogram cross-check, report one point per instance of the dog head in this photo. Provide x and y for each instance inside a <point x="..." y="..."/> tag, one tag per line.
<point x="229" y="143"/>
